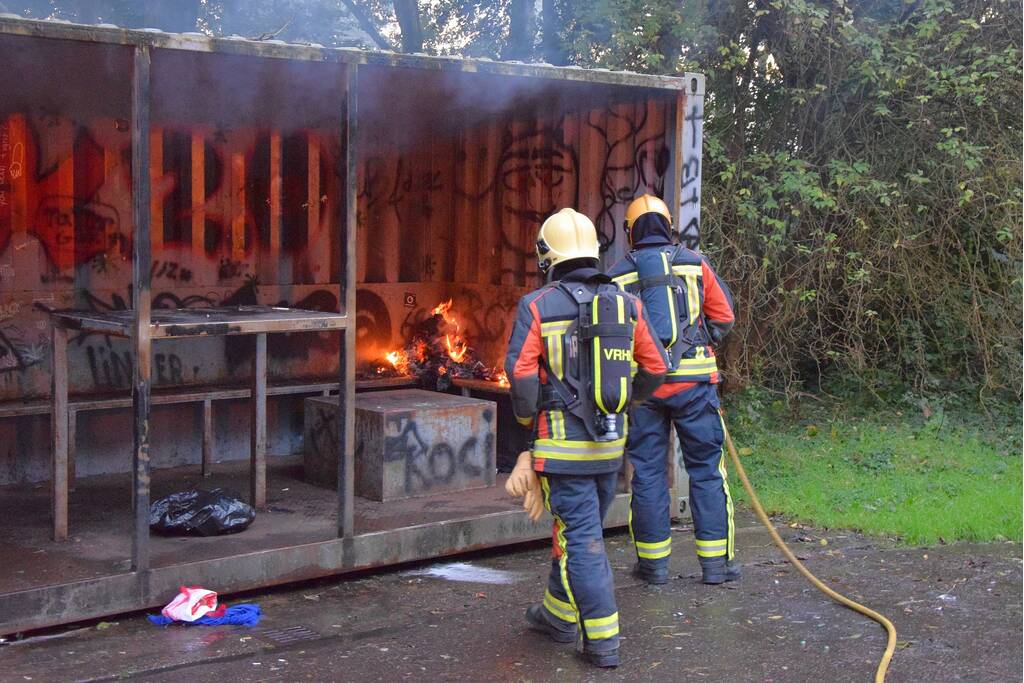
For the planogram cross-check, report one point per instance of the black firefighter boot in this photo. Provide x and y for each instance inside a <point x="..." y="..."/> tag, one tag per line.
<point x="653" y="577"/>
<point x="717" y="570"/>
<point x="539" y="620"/>
<point x="607" y="659"/>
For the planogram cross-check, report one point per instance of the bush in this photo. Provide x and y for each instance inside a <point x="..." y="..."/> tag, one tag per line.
<point x="861" y="180"/>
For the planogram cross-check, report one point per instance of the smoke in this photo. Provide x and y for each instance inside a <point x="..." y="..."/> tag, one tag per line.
<point x="410" y="107"/>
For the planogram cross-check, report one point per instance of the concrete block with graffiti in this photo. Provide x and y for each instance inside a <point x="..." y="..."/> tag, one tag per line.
<point x="408" y="443"/>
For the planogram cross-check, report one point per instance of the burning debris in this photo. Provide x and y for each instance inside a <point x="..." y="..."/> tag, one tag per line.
<point x="437" y="353"/>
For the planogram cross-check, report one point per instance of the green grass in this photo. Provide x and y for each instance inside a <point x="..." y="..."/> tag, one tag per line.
<point x="953" y="475"/>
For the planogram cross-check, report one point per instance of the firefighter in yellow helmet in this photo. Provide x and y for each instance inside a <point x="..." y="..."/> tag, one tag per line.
<point x="581" y="349"/>
<point x="691" y="311"/>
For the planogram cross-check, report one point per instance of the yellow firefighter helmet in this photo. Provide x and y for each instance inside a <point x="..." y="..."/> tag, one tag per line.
<point x="566" y="235"/>
<point x="647" y="203"/>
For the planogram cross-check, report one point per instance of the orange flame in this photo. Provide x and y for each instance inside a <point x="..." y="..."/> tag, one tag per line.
<point x="455" y="343"/>
<point x="399" y="360"/>
<point x="503" y="379"/>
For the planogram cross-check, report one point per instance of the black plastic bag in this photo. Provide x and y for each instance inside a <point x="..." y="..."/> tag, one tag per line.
<point x="200" y="513"/>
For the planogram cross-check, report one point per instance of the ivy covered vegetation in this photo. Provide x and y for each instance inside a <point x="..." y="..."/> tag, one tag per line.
<point x="862" y="181"/>
<point x="862" y="163"/>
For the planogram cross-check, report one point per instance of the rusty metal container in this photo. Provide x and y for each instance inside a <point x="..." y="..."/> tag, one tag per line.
<point x="409" y="443"/>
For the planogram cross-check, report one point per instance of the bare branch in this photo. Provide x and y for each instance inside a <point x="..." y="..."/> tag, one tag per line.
<point x="367" y="25"/>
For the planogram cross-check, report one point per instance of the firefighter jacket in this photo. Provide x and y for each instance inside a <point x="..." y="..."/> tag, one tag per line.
<point x="704" y="311"/>
<point x="539" y="345"/>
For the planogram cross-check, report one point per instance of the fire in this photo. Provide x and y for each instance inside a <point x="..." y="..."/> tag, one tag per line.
<point x="399" y="360"/>
<point x="455" y="343"/>
<point x="437" y="352"/>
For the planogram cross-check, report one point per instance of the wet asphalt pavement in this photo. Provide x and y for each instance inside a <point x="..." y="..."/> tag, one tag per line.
<point x="957" y="610"/>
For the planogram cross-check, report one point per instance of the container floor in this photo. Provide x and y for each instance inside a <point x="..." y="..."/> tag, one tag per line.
<point x="100" y="521"/>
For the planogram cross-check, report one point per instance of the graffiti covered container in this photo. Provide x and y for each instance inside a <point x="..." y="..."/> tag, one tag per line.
<point x="409" y="443"/>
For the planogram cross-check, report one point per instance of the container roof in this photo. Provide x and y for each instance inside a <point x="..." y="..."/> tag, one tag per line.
<point x="12" y="24"/>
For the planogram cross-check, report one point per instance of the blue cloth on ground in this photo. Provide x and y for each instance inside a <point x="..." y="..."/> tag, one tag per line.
<point x="237" y="615"/>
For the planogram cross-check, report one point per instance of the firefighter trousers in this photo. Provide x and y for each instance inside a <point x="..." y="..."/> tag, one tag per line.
<point x="694" y="413"/>
<point x="580" y="589"/>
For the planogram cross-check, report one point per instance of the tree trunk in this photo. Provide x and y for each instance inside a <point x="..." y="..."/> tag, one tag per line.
<point x="408" y="15"/>
<point x="520" y="31"/>
<point x="551" y="41"/>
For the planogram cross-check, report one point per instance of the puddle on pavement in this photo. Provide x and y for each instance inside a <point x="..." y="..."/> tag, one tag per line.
<point x="465" y="572"/>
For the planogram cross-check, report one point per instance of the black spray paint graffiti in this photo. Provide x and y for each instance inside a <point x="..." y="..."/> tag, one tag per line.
<point x="373" y="322"/>
<point x="14" y="355"/>
<point x="323" y="435"/>
<point x="109" y="361"/>
<point x="536" y="172"/>
<point x="623" y="182"/>
<point x="689" y="210"/>
<point x="408" y="194"/>
<point x="170" y="270"/>
<point x="429" y="465"/>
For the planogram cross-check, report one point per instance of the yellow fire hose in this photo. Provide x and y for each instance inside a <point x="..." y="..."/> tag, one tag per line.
<point x="890" y="647"/>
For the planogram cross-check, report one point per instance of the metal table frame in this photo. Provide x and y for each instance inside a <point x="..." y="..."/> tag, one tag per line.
<point x="176" y="324"/>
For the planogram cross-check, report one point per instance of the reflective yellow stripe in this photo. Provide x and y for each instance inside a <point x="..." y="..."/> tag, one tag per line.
<point x="559" y="608"/>
<point x="654" y="551"/>
<point x="700" y="364"/>
<point x="693" y="297"/>
<point x="556" y="420"/>
<point x="710" y="544"/>
<point x="715" y="548"/>
<point x="554" y="342"/>
<point x="695" y="370"/>
<point x="601" y="634"/>
<point x="671" y="304"/>
<point x="562" y="545"/>
<point x="731" y="531"/>
<point x="622" y="380"/>
<point x="555" y="327"/>
<point x="626" y="279"/>
<point x="525" y="421"/>
<point x="696" y="271"/>
<point x="597" y="360"/>
<point x="601" y="621"/>
<point x="603" y="627"/>
<point x="578" y="450"/>
<point x="559" y="369"/>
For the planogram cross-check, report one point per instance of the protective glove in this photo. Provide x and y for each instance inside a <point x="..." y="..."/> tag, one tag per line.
<point x="522" y="478"/>
<point x="533" y="503"/>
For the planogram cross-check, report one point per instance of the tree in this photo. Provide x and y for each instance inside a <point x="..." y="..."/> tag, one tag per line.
<point x="521" y="31"/>
<point x="408" y="15"/>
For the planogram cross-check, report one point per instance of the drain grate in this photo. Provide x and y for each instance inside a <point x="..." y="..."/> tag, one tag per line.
<point x="289" y="634"/>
